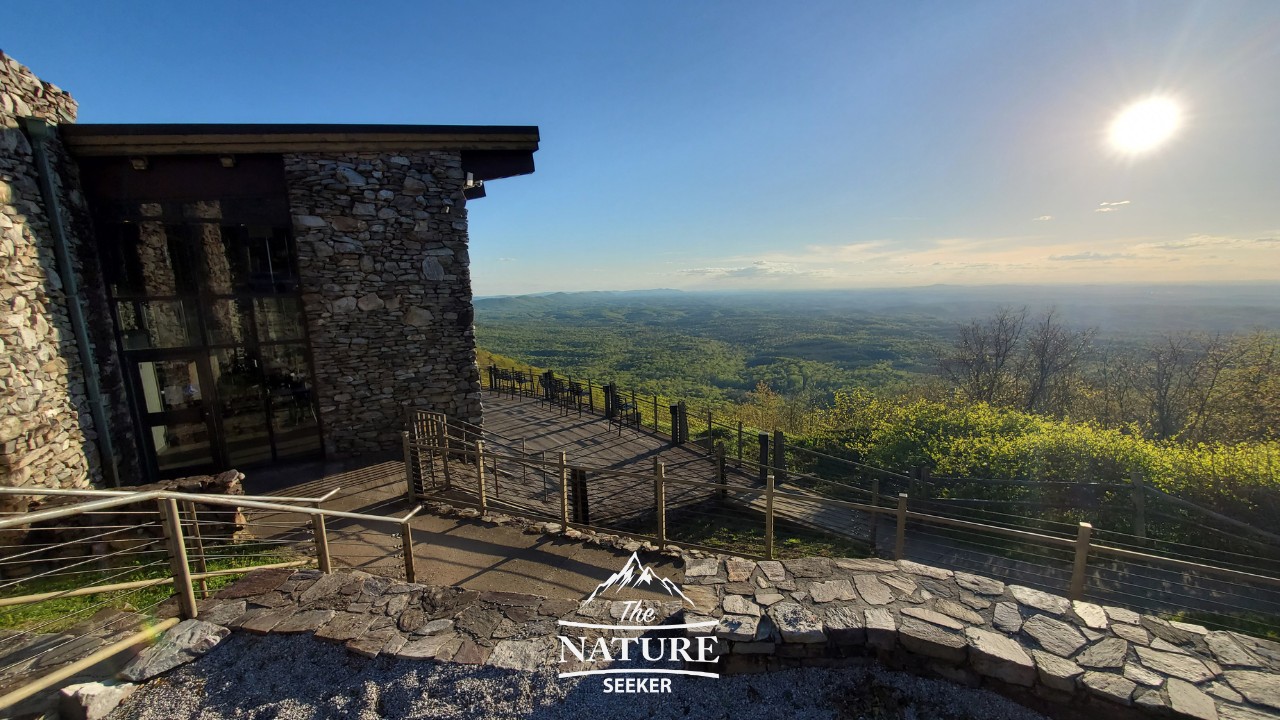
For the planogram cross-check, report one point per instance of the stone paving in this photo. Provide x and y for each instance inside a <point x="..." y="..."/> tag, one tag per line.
<point x="1033" y="646"/>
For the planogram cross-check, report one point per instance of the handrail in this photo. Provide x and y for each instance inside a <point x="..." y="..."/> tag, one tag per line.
<point x="226" y="500"/>
<point x="94" y="492"/>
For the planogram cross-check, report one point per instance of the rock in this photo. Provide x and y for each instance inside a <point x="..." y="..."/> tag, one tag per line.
<point x="1236" y="712"/>
<point x="1000" y="657"/>
<point x="1121" y="615"/>
<point x="843" y="624"/>
<point x="903" y="584"/>
<point x="1187" y="700"/>
<point x="306" y="621"/>
<point x="372" y="643"/>
<point x="701" y="567"/>
<point x="344" y="626"/>
<point x="421" y="317"/>
<point x="929" y="571"/>
<point x="866" y="565"/>
<point x="1223" y="691"/>
<point x="772" y="570"/>
<point x="309" y="221"/>
<point x="326" y="586"/>
<point x="809" y="567"/>
<point x="1043" y="601"/>
<point x="430" y="647"/>
<point x="223" y="613"/>
<point x="1228" y="651"/>
<point x="738" y="628"/>
<point x="703" y="597"/>
<point x="1151" y="700"/>
<point x="1090" y="615"/>
<point x="92" y="700"/>
<point x="470" y="653"/>
<point x="768" y="598"/>
<point x="1258" y="687"/>
<point x="978" y="584"/>
<point x="1165" y="631"/>
<point x="831" y="590"/>
<point x="1108" y="653"/>
<point x="370" y="302"/>
<point x="1143" y="676"/>
<point x="957" y="611"/>
<point x="1007" y="618"/>
<point x="872" y="590"/>
<point x="932" y="641"/>
<point x="432" y="270"/>
<point x="181" y="644"/>
<point x="1055" y="636"/>
<point x="1110" y="686"/>
<point x="258" y="582"/>
<point x="1132" y="633"/>
<point x="739" y="570"/>
<point x="882" y="628"/>
<point x="434" y="627"/>
<point x="933" y="617"/>
<point x="1175" y="665"/>
<point x="518" y="655"/>
<point x="1192" y="628"/>
<point x="796" y="623"/>
<point x="1055" y="672"/>
<point x="351" y="177"/>
<point x="411" y="619"/>
<point x="739" y="605"/>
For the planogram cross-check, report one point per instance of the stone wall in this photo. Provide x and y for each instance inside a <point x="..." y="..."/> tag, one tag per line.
<point x="45" y="427"/>
<point x="382" y="254"/>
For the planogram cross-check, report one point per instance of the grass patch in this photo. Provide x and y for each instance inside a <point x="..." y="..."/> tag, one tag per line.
<point x="738" y="531"/>
<point x="60" y="613"/>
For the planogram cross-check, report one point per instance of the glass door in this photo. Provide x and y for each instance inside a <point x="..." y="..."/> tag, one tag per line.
<point x="178" y="425"/>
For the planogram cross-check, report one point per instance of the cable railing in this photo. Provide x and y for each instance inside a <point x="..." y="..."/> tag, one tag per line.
<point x="760" y="519"/>
<point x="80" y="579"/>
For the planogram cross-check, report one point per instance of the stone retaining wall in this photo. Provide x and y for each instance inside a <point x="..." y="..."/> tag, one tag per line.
<point x="382" y="252"/>
<point x="1065" y="658"/>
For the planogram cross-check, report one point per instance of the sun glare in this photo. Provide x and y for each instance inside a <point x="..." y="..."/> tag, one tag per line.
<point x="1145" y="125"/>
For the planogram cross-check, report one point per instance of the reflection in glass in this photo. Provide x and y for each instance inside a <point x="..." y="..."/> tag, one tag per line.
<point x="292" y="415"/>
<point x="170" y="385"/>
<point x="239" y="382"/>
<point x="157" y="324"/>
<point x="279" y="318"/>
<point x="181" y="444"/>
<point x="227" y="321"/>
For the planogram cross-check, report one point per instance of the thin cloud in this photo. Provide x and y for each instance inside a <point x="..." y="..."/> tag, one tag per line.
<point x="1042" y="218"/>
<point x="756" y="270"/>
<point x="1089" y="256"/>
<point x="1106" y="207"/>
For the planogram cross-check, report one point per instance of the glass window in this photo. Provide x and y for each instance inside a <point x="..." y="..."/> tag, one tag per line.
<point x="293" y="417"/>
<point x="146" y="324"/>
<point x="279" y="318"/>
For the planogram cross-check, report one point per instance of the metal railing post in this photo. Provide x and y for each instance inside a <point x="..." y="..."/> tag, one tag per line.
<point x="201" y="567"/>
<point x="178" y="558"/>
<point x="564" y="492"/>
<point x="1076" y="592"/>
<point x="660" y="501"/>
<point x="406" y="543"/>
<point x="768" y="516"/>
<point x="480" y="476"/>
<point x="900" y="541"/>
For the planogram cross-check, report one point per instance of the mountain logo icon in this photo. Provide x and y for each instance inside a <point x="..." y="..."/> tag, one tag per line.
<point x="635" y="574"/>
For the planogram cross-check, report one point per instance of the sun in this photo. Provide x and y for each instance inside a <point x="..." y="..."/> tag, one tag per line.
<point x="1145" y="125"/>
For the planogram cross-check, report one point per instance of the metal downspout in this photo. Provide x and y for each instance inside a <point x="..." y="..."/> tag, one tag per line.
<point x="39" y="133"/>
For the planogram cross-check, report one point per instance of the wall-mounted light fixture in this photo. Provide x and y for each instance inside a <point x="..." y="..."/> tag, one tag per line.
<point x="228" y="161"/>
<point x="138" y="163"/>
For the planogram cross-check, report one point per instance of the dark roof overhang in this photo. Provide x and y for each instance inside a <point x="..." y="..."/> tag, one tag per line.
<point x="488" y="151"/>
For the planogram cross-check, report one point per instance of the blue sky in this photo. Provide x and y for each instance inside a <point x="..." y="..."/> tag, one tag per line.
<point x="757" y="145"/>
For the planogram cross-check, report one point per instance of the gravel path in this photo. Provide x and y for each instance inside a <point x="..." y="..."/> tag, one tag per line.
<point x="299" y="678"/>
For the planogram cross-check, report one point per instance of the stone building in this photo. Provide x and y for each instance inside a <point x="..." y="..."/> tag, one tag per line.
<point x="187" y="298"/>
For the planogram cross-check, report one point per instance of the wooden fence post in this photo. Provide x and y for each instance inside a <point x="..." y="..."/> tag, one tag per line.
<point x="201" y="567"/>
<point x="660" y="501"/>
<point x="763" y="459"/>
<point x="721" y="477"/>
<point x="591" y="396"/>
<point x="409" y="472"/>
<point x="875" y="517"/>
<point x="739" y="443"/>
<point x="924" y="483"/>
<point x="406" y="540"/>
<point x="768" y="516"/>
<point x="711" y="432"/>
<point x="480" y="476"/>
<point x="779" y="456"/>
<point x="655" y="412"/>
<point x="564" y="493"/>
<point x="900" y="541"/>
<point x="1139" y="504"/>
<point x="178" y="558"/>
<point x="322" y="542"/>
<point x="442" y="445"/>
<point x="1076" y="591"/>
<point x="684" y="422"/>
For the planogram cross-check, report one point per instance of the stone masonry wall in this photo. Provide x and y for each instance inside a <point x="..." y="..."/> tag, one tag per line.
<point x="46" y="435"/>
<point x="382" y="252"/>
